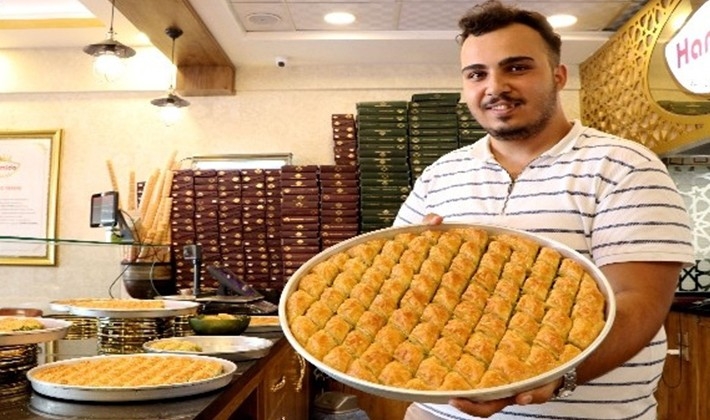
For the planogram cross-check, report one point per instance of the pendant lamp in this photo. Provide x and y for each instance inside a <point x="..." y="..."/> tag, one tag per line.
<point x="170" y="104"/>
<point x="109" y="54"/>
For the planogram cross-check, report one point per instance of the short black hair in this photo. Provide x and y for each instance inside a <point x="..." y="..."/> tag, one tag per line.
<point x="493" y="15"/>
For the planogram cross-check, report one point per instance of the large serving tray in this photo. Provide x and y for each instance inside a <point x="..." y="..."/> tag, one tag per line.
<point x="144" y="393"/>
<point x="54" y="329"/>
<point x="484" y="394"/>
<point x="172" y="308"/>
<point x="234" y="348"/>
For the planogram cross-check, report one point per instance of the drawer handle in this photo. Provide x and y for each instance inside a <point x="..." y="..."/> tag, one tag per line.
<point x="279" y="385"/>
<point x="301" y="372"/>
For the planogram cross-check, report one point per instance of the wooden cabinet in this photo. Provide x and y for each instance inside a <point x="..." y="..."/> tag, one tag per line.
<point x="276" y="387"/>
<point x="684" y="388"/>
<point x="377" y="408"/>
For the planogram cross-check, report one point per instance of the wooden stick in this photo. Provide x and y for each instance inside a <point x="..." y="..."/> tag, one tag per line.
<point x="132" y="193"/>
<point x="114" y="182"/>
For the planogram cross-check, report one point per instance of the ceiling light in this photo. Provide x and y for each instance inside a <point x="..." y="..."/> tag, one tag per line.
<point x="171" y="104"/>
<point x="109" y="54"/>
<point x="562" y="21"/>
<point x="339" y="18"/>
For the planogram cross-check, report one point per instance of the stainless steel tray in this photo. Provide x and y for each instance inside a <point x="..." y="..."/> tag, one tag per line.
<point x="144" y="393"/>
<point x="171" y="309"/>
<point x="54" y="329"/>
<point x="234" y="348"/>
<point x="443" y="397"/>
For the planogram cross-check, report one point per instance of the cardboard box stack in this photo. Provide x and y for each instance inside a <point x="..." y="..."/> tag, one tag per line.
<point x="470" y="131"/>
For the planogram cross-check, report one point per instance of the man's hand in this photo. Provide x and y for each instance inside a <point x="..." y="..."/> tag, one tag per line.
<point x="432" y="219"/>
<point x="539" y="395"/>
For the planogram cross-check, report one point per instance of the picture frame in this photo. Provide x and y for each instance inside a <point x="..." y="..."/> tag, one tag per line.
<point x="29" y="178"/>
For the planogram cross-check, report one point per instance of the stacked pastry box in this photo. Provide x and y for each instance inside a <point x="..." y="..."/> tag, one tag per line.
<point x="469" y="129"/>
<point x="300" y="220"/>
<point x="383" y="158"/>
<point x="344" y="139"/>
<point x="182" y="225"/>
<point x="339" y="203"/>
<point x="231" y="234"/>
<point x="261" y="219"/>
<point x="433" y="128"/>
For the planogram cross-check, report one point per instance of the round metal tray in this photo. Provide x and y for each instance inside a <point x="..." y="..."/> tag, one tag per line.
<point x="171" y="309"/>
<point x="443" y="397"/>
<point x="235" y="348"/>
<point x="54" y="329"/>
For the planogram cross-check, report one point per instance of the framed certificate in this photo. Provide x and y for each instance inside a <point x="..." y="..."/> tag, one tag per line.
<point x="29" y="172"/>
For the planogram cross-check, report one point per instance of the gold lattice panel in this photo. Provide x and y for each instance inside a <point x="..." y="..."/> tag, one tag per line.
<point x="615" y="95"/>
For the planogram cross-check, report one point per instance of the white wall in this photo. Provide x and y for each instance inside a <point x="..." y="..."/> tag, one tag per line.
<point x="274" y="110"/>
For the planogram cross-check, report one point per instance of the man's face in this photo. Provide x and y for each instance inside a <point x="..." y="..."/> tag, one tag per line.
<point x="508" y="82"/>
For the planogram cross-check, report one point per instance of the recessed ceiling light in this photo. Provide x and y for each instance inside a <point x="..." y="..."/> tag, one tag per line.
<point x="562" y="21"/>
<point x="339" y="18"/>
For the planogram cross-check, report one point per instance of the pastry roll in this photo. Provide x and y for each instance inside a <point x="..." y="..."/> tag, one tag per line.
<point x="566" y="284"/>
<point x="298" y="303"/>
<point x="355" y="266"/>
<point x="366" y="251"/>
<point x="393" y="250"/>
<point x="474" y="236"/>
<point x="463" y="266"/>
<point x="351" y="310"/>
<point x="550" y="339"/>
<point x="500" y="248"/>
<point x="356" y="342"/>
<point x="345" y="282"/>
<point x="532" y="306"/>
<point x="313" y="284"/>
<point x="338" y="358"/>
<point x="560" y="300"/>
<point x="339" y="260"/>
<point x="514" y="344"/>
<point x="389" y="337"/>
<point x="475" y="293"/>
<point x="425" y="284"/>
<point x="447" y="351"/>
<point x="332" y="298"/>
<point x="404" y="319"/>
<point x="481" y="346"/>
<point x="432" y="269"/>
<point x="455" y="282"/>
<point x="338" y="328"/>
<point x="472" y="252"/>
<point x="451" y="241"/>
<point x="320" y="343"/>
<point x="327" y="270"/>
<point x="382" y="264"/>
<point x="432" y="235"/>
<point x="383" y="305"/>
<point x="359" y="369"/>
<point x="508" y="290"/>
<point x="375" y="358"/>
<point x="425" y="334"/>
<point x="415" y="300"/>
<point x="402" y="273"/>
<point x="370" y="323"/>
<point x="440" y="255"/>
<point x="435" y="313"/>
<point x="319" y="313"/>
<point x="500" y="307"/>
<point x="522" y="259"/>
<point x="514" y="272"/>
<point x="492" y="378"/>
<point x="558" y="319"/>
<point x="491" y="325"/>
<point x="457" y="330"/>
<point x="470" y="368"/>
<point x="364" y="293"/>
<point x="395" y="374"/>
<point x="404" y="238"/>
<point x="469" y="312"/>
<point x="486" y="278"/>
<point x="572" y="269"/>
<point x="541" y="359"/>
<point x="446" y="298"/>
<point x="511" y="367"/>
<point x="432" y="372"/>
<point x="303" y="328"/>
<point x="418" y="384"/>
<point x="584" y="331"/>
<point x="537" y="287"/>
<point x="570" y="352"/>
<point x="410" y="355"/>
<point x="492" y="262"/>
<point x="520" y="244"/>
<point x="376" y="277"/>
<point x="454" y="382"/>
<point x="393" y="289"/>
<point x="524" y="325"/>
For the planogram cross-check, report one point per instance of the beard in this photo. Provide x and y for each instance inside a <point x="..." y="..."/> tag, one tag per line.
<point x="511" y="133"/>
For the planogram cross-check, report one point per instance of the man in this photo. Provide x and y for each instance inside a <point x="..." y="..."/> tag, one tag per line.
<point x="608" y="198"/>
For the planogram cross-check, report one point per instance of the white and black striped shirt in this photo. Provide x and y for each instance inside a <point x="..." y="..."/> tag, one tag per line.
<point x="610" y="199"/>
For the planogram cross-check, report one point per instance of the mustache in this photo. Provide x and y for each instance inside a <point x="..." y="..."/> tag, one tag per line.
<point x="503" y="97"/>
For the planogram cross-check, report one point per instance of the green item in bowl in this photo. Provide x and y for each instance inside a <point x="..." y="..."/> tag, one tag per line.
<point x="219" y="324"/>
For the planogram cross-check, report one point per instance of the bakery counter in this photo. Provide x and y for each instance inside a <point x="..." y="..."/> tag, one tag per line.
<point x="240" y="396"/>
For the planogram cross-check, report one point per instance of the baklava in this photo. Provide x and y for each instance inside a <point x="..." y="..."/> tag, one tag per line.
<point x="456" y="309"/>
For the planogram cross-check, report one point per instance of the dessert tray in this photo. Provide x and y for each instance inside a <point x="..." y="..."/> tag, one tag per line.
<point x="132" y="366"/>
<point x="407" y="335"/>
<point x="259" y="324"/>
<point x="54" y="329"/>
<point x="234" y="348"/>
<point x="125" y="308"/>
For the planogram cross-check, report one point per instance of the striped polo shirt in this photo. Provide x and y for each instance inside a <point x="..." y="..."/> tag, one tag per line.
<point x="608" y="198"/>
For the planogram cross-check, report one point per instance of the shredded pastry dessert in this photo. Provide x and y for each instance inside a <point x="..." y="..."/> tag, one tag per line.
<point x="14" y="324"/>
<point x="455" y="309"/>
<point x="129" y="371"/>
<point x="176" y="345"/>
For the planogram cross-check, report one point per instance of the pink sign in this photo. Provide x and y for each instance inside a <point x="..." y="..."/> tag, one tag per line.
<point x="688" y="52"/>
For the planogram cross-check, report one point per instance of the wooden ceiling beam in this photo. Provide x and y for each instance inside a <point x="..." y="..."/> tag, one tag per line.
<point x="204" y="69"/>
